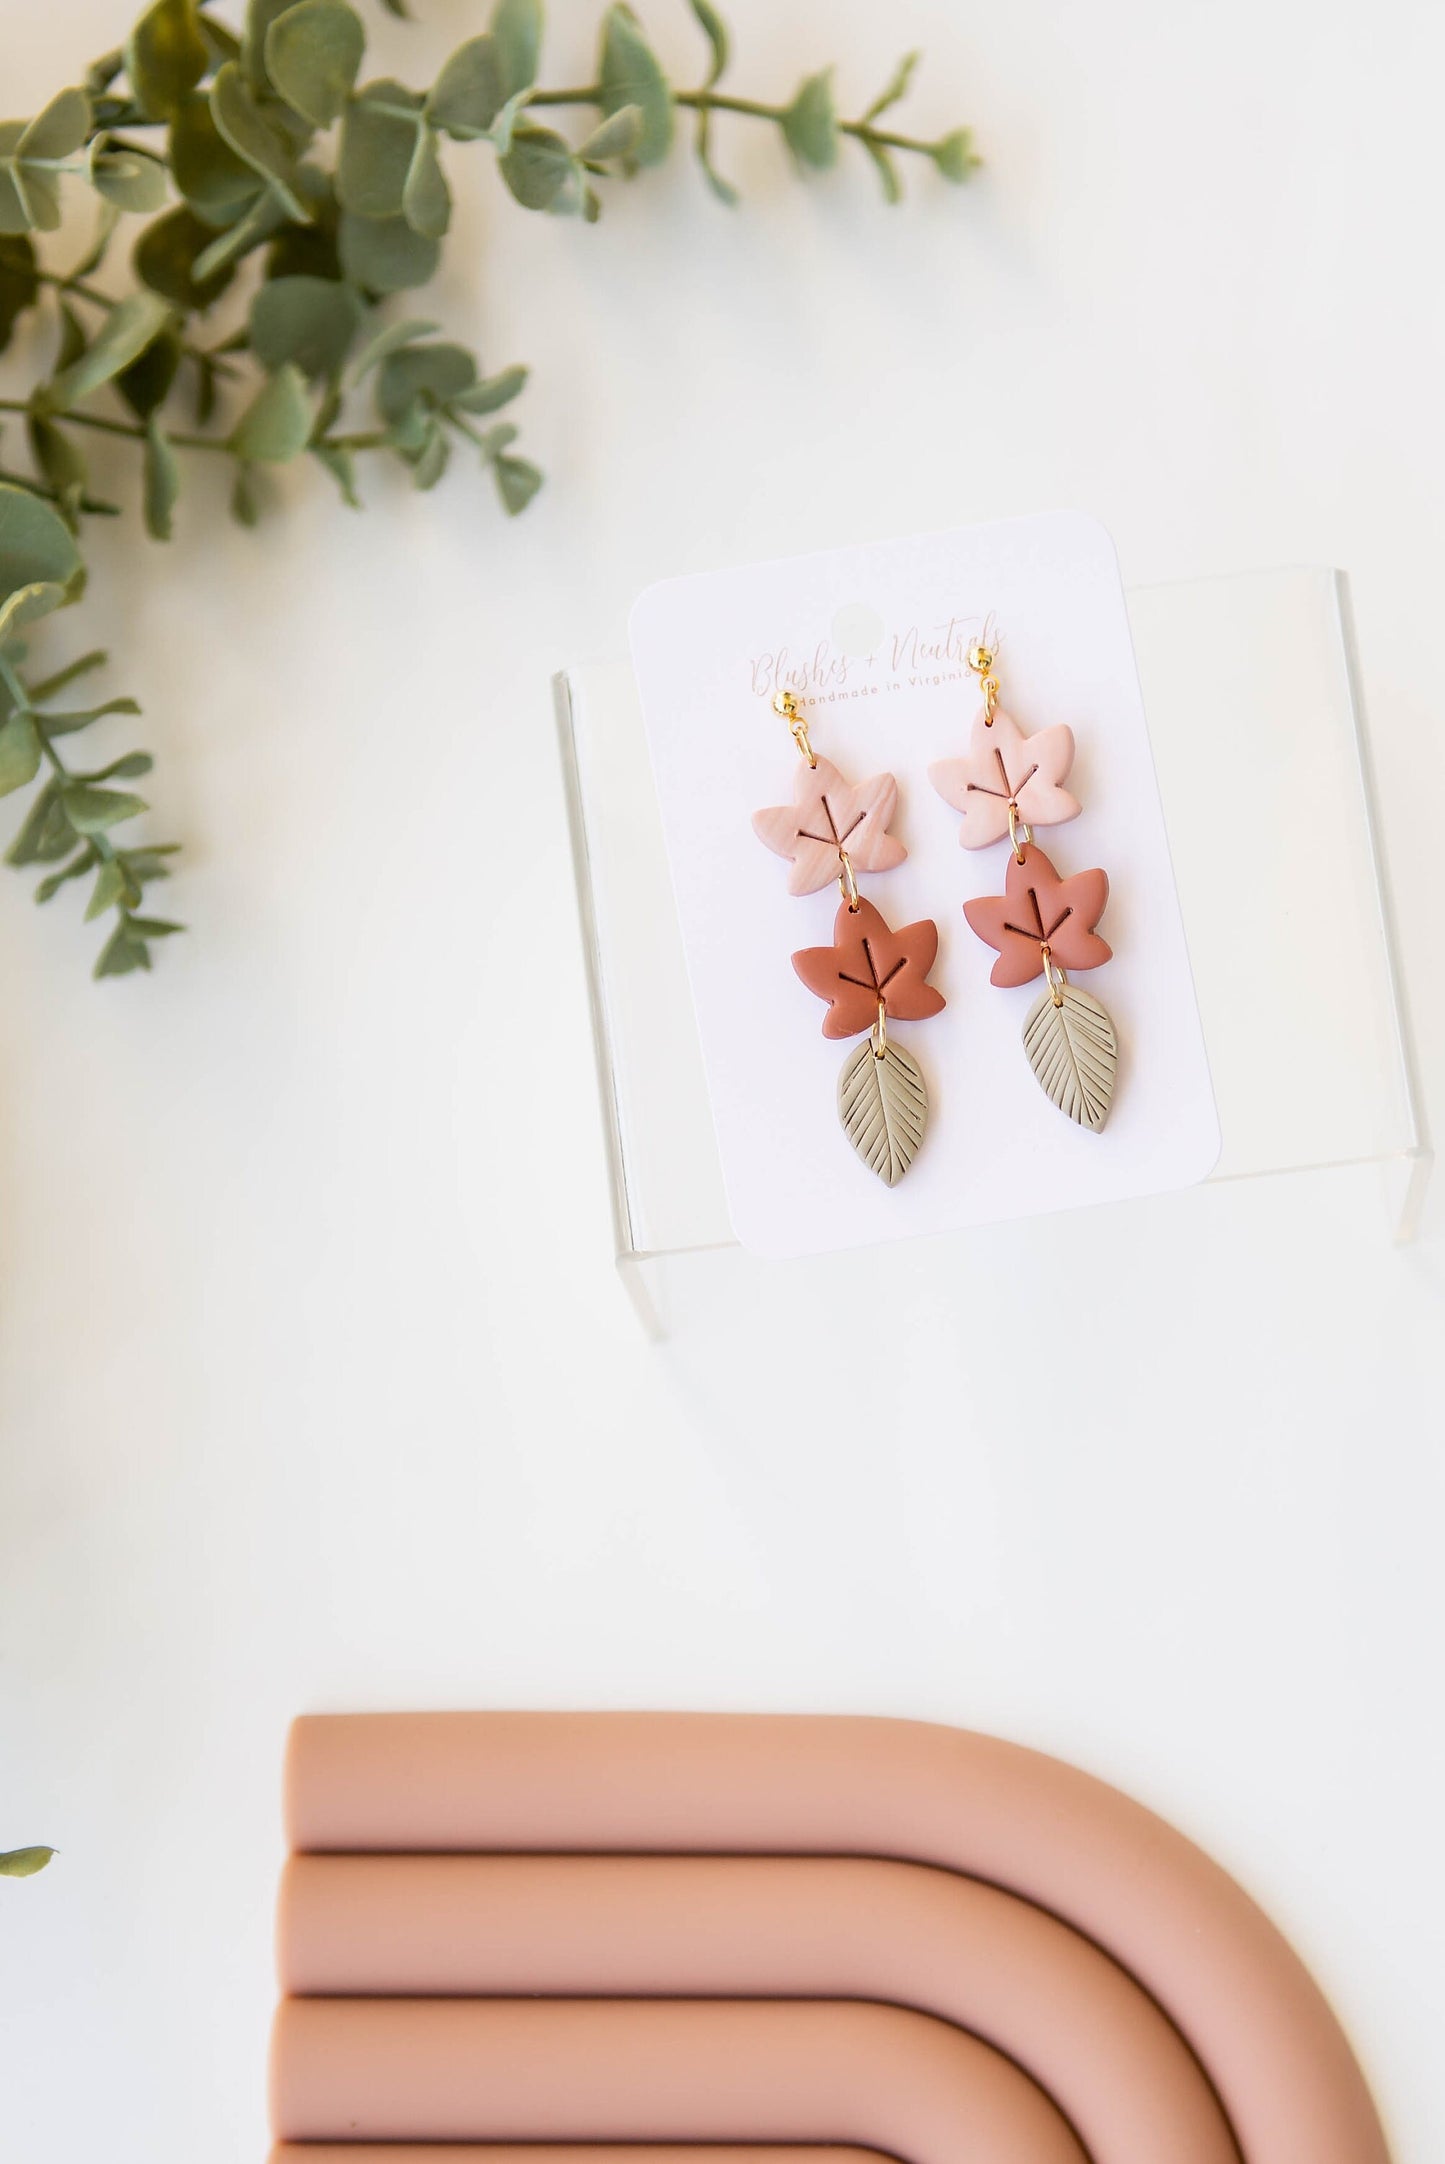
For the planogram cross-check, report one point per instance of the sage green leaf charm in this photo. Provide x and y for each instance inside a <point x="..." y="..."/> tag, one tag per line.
<point x="883" y="1105"/>
<point x="1074" y="1053"/>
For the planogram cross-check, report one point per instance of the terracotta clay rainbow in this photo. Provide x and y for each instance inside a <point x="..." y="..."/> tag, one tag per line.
<point x="853" y="1935"/>
<point x="869" y="976"/>
<point x="1005" y="785"/>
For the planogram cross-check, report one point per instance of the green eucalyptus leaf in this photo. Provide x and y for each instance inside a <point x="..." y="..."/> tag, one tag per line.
<point x="340" y="464"/>
<point x="221" y="44"/>
<point x="122" y="952"/>
<point x="426" y="200"/>
<point x="146" y="864"/>
<point x="306" y="251"/>
<point x="376" y="150"/>
<point x="59" y="131"/>
<point x="260" y="15"/>
<point x="70" y="724"/>
<point x="26" y="603"/>
<point x="102" y="73"/>
<point x="431" y="461"/>
<point x="59" y="459"/>
<point x="517" y="33"/>
<point x="277" y="423"/>
<point x="517" y="482"/>
<point x="715" y="31"/>
<point x="384" y="254"/>
<point x="266" y="216"/>
<point x="504" y="127"/>
<point x="391" y="340"/>
<point x="19" y="752"/>
<point x="128" y="178"/>
<point x="470" y="91"/>
<point x="24" y="1862"/>
<point x="810" y="124"/>
<point x="954" y="155"/>
<point x="702" y="149"/>
<point x="435" y="373"/>
<point x="896" y="87"/>
<point x="146" y="384"/>
<point x="19" y="284"/>
<point x="129" y="767"/>
<point x="162" y="481"/>
<point x="311" y="321"/>
<point x="409" y="431"/>
<point x="113" y="886"/>
<point x="887" y="171"/>
<point x="75" y="869"/>
<point x="72" y="338"/>
<point x="254" y="138"/>
<point x="491" y="392"/>
<point x="29" y="192"/>
<point x="37" y="548"/>
<point x="617" y="137"/>
<point x="539" y="168"/>
<point x="166" y="56"/>
<point x="83" y="665"/>
<point x="125" y="333"/>
<point x="165" y="259"/>
<point x="217" y="184"/>
<point x="91" y="810"/>
<point x="629" y="73"/>
<point x="155" y="927"/>
<point x="313" y="54"/>
<point x="46" y="833"/>
<point x="15" y="215"/>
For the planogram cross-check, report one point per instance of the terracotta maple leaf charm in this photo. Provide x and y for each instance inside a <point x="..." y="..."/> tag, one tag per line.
<point x="866" y="963"/>
<point x="828" y="814"/>
<point x="1037" y="906"/>
<point x="1003" y="766"/>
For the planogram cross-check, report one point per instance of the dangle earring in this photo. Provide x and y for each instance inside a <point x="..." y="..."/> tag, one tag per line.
<point x="1008" y="784"/>
<point x="870" y="976"/>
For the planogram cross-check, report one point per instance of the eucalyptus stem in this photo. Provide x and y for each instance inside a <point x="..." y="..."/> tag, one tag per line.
<point x="718" y="101"/>
<point x="366" y="439"/>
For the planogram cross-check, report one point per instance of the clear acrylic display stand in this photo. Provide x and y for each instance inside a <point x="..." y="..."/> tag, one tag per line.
<point x="1259" y="734"/>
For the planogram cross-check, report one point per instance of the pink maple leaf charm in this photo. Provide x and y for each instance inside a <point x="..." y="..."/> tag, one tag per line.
<point x="1037" y="908"/>
<point x="828" y="814"/>
<point x="868" y="964"/>
<point x="1002" y="766"/>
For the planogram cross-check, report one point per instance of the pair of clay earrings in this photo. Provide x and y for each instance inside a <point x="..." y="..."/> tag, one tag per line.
<point x="1005" y="785"/>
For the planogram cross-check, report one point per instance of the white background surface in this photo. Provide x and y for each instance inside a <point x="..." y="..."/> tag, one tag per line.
<point x="719" y="752"/>
<point x="317" y="1387"/>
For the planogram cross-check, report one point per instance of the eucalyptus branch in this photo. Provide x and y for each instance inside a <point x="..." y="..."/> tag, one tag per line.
<point x="705" y="100"/>
<point x="218" y="141"/>
<point x="71" y="816"/>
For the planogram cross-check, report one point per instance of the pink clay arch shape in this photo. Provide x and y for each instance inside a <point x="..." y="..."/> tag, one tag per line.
<point x="759" y="1928"/>
<point x="815" y="1784"/>
<point x="495" y="2152"/>
<point x="680" y="2070"/>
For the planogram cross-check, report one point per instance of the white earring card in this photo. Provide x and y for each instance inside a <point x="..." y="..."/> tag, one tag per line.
<point x="873" y="642"/>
